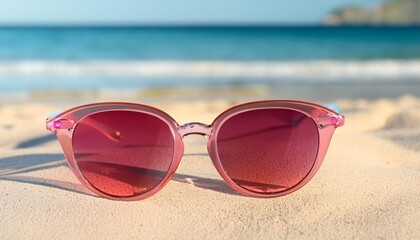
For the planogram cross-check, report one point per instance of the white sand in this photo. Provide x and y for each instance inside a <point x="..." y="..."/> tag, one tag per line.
<point x="368" y="186"/>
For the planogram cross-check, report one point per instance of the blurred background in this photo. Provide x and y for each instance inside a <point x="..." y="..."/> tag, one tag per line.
<point x="148" y="50"/>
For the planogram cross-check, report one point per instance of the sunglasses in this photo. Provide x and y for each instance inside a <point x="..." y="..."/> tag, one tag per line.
<point x="127" y="151"/>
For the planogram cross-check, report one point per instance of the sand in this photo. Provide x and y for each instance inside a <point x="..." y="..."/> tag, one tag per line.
<point x="368" y="186"/>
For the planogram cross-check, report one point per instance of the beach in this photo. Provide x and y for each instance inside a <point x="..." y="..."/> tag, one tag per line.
<point x="367" y="187"/>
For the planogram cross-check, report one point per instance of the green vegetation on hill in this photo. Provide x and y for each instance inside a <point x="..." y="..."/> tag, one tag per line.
<point x="392" y="12"/>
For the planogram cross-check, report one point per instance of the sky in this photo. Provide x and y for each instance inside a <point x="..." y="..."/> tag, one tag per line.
<point x="167" y="12"/>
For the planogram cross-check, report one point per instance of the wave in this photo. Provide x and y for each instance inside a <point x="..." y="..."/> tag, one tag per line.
<point x="375" y="69"/>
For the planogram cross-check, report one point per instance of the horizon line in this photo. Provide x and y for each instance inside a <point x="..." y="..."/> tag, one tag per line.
<point x="195" y="25"/>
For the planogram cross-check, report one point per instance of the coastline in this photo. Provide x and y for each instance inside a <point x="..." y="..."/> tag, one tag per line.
<point x="323" y="92"/>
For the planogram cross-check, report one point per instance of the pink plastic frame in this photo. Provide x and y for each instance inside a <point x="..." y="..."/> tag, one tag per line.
<point x="63" y="124"/>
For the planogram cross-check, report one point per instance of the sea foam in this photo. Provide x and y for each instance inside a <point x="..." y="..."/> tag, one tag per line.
<point x="306" y="70"/>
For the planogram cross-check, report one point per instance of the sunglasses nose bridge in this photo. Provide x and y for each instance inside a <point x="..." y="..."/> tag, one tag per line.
<point x="194" y="128"/>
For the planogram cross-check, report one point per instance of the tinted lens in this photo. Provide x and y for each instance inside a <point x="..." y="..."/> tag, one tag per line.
<point x="123" y="153"/>
<point x="268" y="150"/>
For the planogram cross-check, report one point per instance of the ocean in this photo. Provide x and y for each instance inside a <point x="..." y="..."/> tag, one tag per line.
<point x="49" y="58"/>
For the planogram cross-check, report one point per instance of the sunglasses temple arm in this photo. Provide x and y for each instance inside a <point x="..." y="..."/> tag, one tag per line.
<point x="258" y="131"/>
<point x="322" y="121"/>
<point x="110" y="133"/>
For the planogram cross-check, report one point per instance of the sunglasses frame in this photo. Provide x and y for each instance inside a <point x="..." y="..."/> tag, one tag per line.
<point x="326" y="119"/>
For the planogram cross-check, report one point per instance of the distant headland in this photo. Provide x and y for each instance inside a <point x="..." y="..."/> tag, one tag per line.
<point x="391" y="12"/>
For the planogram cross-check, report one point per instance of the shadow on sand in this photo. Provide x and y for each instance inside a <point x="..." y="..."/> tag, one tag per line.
<point x="12" y="167"/>
<point x="36" y="141"/>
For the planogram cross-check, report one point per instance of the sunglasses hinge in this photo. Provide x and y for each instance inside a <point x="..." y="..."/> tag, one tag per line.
<point x="53" y="126"/>
<point x="330" y="119"/>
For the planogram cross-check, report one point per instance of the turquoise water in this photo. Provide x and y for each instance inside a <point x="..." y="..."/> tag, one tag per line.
<point x="245" y="44"/>
<point x="127" y="57"/>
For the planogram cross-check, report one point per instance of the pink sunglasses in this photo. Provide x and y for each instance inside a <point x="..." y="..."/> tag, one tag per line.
<point x="126" y="151"/>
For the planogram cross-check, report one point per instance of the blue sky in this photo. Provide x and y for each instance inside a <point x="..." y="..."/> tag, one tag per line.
<point x="169" y="11"/>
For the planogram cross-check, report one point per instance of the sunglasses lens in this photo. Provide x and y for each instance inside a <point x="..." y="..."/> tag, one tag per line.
<point x="123" y="153"/>
<point x="268" y="150"/>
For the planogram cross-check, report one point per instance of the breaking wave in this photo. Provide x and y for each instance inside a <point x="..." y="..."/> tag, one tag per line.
<point x="375" y="69"/>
